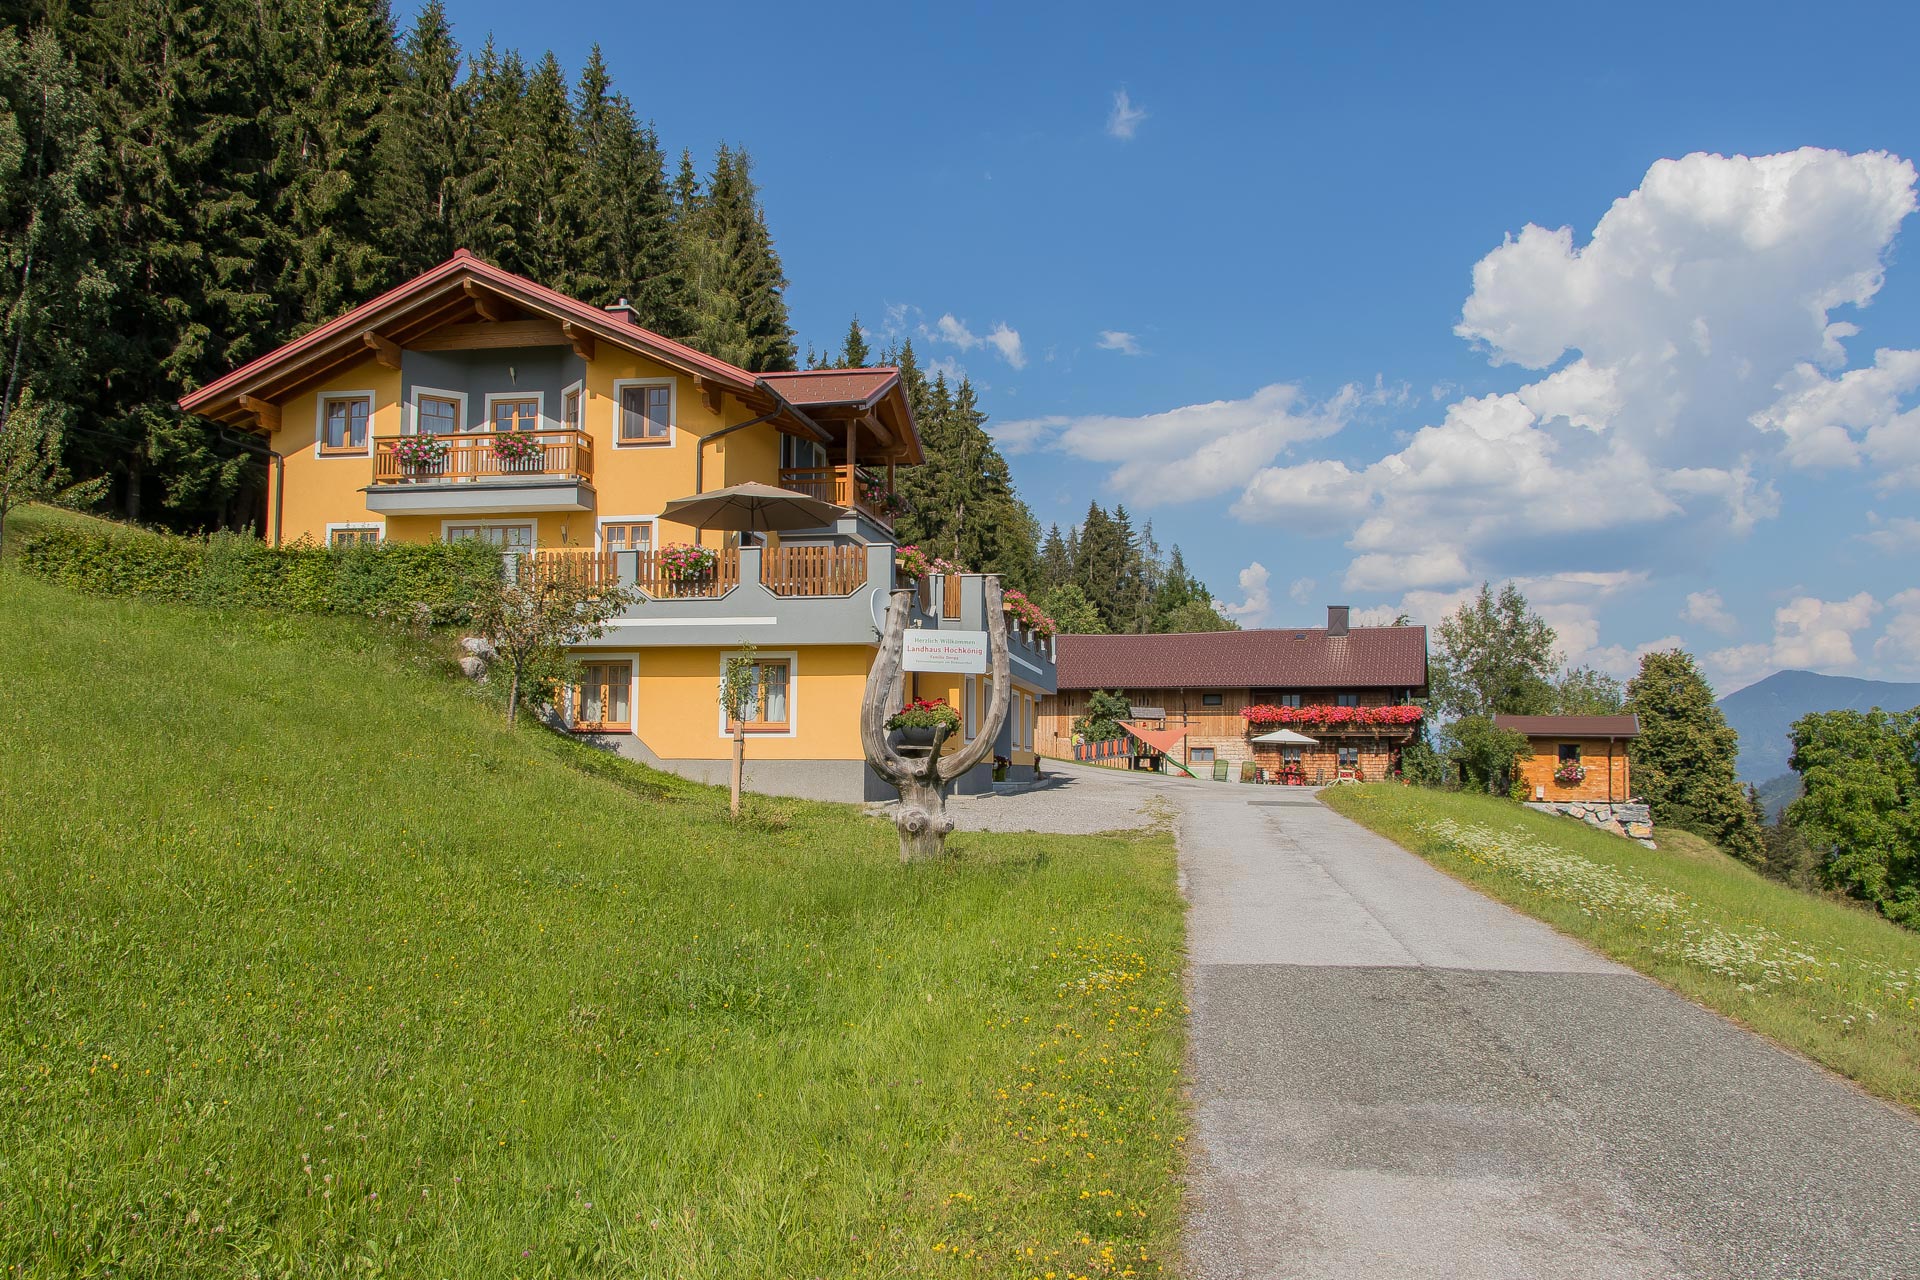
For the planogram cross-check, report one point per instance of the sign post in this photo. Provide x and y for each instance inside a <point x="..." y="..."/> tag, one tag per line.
<point x="961" y="651"/>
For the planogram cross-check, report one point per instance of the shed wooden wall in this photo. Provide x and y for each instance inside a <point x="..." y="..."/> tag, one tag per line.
<point x="1536" y="770"/>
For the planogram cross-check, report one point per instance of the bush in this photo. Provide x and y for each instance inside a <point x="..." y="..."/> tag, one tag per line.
<point x="238" y="571"/>
<point x="1105" y="711"/>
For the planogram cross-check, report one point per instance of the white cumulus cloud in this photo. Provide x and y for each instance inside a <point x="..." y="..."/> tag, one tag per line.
<point x="1001" y="338"/>
<point x="1194" y="451"/>
<point x="1899" y="644"/>
<point x="1124" y="118"/>
<point x="1119" y="340"/>
<point x="1808" y="633"/>
<point x="1257" y="600"/>
<point x="1707" y="609"/>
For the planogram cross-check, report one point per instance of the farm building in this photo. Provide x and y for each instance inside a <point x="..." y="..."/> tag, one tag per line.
<point x="1349" y="689"/>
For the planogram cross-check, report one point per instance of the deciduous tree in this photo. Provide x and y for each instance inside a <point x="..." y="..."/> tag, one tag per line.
<point x="1683" y="758"/>
<point x="1861" y="810"/>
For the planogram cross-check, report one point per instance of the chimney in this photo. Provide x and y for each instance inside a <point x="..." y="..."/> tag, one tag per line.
<point x="624" y="309"/>
<point x="1336" y="620"/>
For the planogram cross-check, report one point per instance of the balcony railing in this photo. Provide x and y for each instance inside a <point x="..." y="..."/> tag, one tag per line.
<point x="813" y="571"/>
<point x="843" y="486"/>
<point x="471" y="458"/>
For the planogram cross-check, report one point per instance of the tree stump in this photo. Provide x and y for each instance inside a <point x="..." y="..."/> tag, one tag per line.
<point x="922" y="819"/>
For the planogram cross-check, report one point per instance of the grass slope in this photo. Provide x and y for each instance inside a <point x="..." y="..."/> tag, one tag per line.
<point x="1833" y="981"/>
<point x="308" y="967"/>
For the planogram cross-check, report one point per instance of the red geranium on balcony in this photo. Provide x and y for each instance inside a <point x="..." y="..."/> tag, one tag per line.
<point x="1323" y="715"/>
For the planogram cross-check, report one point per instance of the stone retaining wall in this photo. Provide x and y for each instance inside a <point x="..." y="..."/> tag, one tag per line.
<point x="1631" y="818"/>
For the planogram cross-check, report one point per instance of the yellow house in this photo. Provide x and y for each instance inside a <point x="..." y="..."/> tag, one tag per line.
<point x="473" y="403"/>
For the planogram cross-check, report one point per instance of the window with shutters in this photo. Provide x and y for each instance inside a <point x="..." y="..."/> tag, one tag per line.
<point x="603" y="700"/>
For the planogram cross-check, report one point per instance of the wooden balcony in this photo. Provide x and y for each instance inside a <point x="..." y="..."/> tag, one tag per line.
<point x="787" y="571"/>
<point x="843" y="486"/>
<point x="471" y="459"/>
<point x="813" y="571"/>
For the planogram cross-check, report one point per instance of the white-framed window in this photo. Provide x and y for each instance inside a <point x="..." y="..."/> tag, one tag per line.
<point x="643" y="412"/>
<point x="515" y="410"/>
<point x="343" y="424"/>
<point x="355" y="534"/>
<point x="774" y="704"/>
<point x="628" y="533"/>
<point x="573" y="406"/>
<point x="514" y="537"/>
<point x="437" y="412"/>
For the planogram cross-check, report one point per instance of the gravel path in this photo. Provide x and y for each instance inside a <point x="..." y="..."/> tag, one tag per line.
<point x="1074" y="800"/>
<point x="1394" y="1076"/>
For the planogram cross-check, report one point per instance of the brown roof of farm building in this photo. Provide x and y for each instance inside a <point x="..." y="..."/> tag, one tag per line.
<point x="834" y="386"/>
<point x="1294" y="657"/>
<point x="1571" y="726"/>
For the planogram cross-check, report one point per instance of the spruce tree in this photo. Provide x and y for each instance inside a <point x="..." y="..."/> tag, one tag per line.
<point x="1056" y="561"/>
<point x="339" y="65"/>
<point x="628" y="244"/>
<point x="737" y="283"/>
<point x="51" y="162"/>
<point x="853" y="350"/>
<point x="424" y="153"/>
<point x="1683" y="758"/>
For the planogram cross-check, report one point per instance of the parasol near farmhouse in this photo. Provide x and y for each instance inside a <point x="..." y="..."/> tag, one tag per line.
<point x="1287" y="738"/>
<point x="752" y="508"/>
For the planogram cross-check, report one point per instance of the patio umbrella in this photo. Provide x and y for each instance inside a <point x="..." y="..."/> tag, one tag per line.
<point x="752" y="508"/>
<point x="1288" y="738"/>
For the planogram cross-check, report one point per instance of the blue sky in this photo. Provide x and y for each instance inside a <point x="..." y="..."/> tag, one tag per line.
<point x="1264" y="298"/>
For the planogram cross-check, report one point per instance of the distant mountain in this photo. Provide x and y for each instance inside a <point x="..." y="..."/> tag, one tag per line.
<point x="1762" y="713"/>
<point x="1777" y="793"/>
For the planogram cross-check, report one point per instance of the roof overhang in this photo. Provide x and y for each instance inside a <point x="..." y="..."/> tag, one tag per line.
<point x="462" y="290"/>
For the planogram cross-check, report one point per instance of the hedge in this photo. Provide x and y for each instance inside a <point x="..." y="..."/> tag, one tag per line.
<point x="237" y="570"/>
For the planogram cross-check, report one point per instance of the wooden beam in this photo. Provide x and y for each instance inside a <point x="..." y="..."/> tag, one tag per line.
<point x="265" y="412"/>
<point x="581" y="339"/>
<point x="506" y="333"/>
<point x="871" y="421"/>
<point x="711" y="390"/>
<point x="384" y="352"/>
<point x="486" y="304"/>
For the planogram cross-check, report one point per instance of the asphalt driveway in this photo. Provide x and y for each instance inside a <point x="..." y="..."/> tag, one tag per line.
<point x="1395" y="1076"/>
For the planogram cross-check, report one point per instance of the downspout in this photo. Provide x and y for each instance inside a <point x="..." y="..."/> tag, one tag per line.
<point x="279" y="489"/>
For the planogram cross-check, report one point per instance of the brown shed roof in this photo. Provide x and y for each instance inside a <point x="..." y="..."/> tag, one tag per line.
<point x="834" y="386"/>
<point x="1302" y="658"/>
<point x="1571" y="726"/>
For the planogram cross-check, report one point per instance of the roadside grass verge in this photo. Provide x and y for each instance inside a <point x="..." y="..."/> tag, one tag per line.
<point x="309" y="966"/>
<point x="1824" y="977"/>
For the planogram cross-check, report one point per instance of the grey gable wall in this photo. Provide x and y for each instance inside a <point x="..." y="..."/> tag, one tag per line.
<point x="540" y="371"/>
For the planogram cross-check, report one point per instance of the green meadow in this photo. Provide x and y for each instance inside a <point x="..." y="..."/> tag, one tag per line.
<point x="310" y="967"/>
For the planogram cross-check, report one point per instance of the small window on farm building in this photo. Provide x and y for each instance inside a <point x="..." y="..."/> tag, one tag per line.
<point x="1212" y="700"/>
<point x="1349" y="757"/>
<point x="1200" y="755"/>
<point x="1569" y="753"/>
<point x="1293" y="757"/>
<point x="1346" y="700"/>
<point x="601" y="699"/>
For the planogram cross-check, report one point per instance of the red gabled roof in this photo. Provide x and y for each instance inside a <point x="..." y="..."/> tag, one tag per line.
<point x="1299" y="658"/>
<point x="218" y="399"/>
<point x="1571" y="726"/>
<point x="816" y="387"/>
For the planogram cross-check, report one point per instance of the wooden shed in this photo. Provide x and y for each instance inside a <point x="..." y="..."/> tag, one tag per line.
<point x="1574" y="757"/>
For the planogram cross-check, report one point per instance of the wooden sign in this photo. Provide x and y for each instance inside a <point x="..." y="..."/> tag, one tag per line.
<point x="964" y="651"/>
